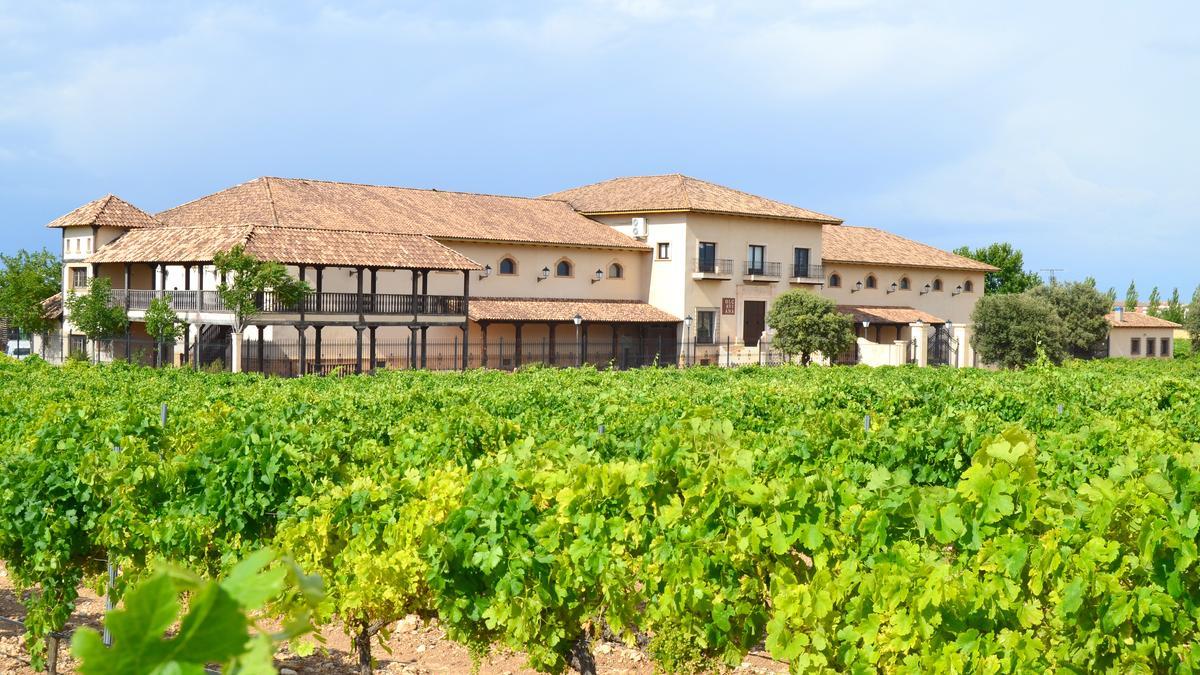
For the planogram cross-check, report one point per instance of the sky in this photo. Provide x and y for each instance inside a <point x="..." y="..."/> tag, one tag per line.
<point x="1069" y="128"/>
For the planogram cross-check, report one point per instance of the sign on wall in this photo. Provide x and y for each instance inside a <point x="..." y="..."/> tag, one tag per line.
<point x="728" y="305"/>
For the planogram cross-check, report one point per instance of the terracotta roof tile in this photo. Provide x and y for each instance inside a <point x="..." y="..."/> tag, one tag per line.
<point x="868" y="245"/>
<point x="52" y="307"/>
<point x="465" y="216"/>
<point x="675" y="192"/>
<point x="1138" y="320"/>
<point x="108" y="211"/>
<point x="553" y="309"/>
<point x="876" y="314"/>
<point x="291" y="245"/>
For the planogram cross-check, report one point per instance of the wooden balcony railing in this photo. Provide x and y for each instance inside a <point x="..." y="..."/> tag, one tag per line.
<point x="315" y="303"/>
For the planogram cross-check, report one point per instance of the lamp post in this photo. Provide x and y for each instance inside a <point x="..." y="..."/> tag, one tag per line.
<point x="578" y="339"/>
<point x="687" y="328"/>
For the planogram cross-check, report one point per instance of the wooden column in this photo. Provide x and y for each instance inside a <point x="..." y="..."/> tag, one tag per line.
<point x="262" y="365"/>
<point x="424" y="346"/>
<point x="317" y="348"/>
<point x="358" y="340"/>
<point x="374" y="293"/>
<point x="164" y="277"/>
<point x="128" y="327"/>
<point x="517" y="357"/>
<point x="466" y="329"/>
<point x="552" y="338"/>
<point x="200" y="288"/>
<point x="320" y="286"/>
<point x="483" y="326"/>
<point x="187" y="336"/>
<point x="372" y="328"/>
<point x="303" y="351"/>
<point x="199" y="345"/>
<point x="614" y="344"/>
<point x="359" y="291"/>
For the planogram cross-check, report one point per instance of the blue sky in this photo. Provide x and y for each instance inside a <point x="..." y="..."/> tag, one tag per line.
<point x="1071" y="129"/>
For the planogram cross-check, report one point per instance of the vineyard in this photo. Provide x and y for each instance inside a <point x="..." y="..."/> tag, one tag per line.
<point x="843" y="519"/>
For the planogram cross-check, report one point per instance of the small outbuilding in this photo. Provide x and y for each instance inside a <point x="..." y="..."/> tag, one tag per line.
<point x="1133" y="335"/>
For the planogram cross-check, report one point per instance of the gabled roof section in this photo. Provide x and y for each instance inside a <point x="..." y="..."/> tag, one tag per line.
<point x="888" y="315"/>
<point x="108" y="211"/>
<point x="288" y="245"/>
<point x="463" y="216"/>
<point x="871" y="246"/>
<point x="676" y="192"/>
<point x="564" y="310"/>
<point x="1137" y="320"/>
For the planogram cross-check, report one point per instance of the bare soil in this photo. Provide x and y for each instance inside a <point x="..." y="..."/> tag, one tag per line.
<point x="414" y="648"/>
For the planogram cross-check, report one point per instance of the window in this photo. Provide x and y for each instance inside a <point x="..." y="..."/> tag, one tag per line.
<point x="1149" y="346"/>
<point x="707" y="257"/>
<point x="706" y="326"/>
<point x="904" y="284"/>
<point x="79" y="277"/>
<point x="968" y="286"/>
<point x="508" y="266"/>
<point x="1135" y="346"/>
<point x="937" y="284"/>
<point x="800" y="258"/>
<point x="871" y="283"/>
<point x="664" y="250"/>
<point x="756" y="260"/>
<point x="835" y="280"/>
<point x="615" y="271"/>
<point x="564" y="268"/>
<point x="1166" y="347"/>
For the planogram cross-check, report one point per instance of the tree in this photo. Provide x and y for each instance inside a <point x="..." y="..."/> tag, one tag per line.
<point x="806" y="324"/>
<point x="26" y="280"/>
<point x="251" y="278"/>
<point x="1111" y="296"/>
<point x="1153" y="303"/>
<point x="163" y="325"/>
<point x="1174" y="308"/>
<point x="1012" y="277"/>
<point x="1191" y="321"/>
<point x="1080" y="309"/>
<point x="94" y="314"/>
<point x="1131" y="298"/>
<point x="1011" y="328"/>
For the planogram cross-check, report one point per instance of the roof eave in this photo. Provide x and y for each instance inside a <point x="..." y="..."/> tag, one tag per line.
<point x="986" y="268"/>
<point x="740" y="214"/>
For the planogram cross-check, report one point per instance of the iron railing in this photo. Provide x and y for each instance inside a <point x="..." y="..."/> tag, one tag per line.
<point x="758" y="268"/>
<point x="715" y="266"/>
<point x="315" y="303"/>
<point x="808" y="271"/>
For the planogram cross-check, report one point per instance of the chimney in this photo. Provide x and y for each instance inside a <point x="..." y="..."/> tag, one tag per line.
<point x="1120" y="314"/>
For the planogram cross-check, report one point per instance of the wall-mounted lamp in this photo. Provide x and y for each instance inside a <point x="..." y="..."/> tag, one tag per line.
<point x="544" y="274"/>
<point x="485" y="272"/>
<point x="957" y="290"/>
<point x="926" y="289"/>
<point x="894" y="287"/>
<point x="919" y="323"/>
<point x="597" y="276"/>
<point x="858" y="286"/>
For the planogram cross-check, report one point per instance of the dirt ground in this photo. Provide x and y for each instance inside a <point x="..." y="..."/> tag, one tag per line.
<point x="415" y="649"/>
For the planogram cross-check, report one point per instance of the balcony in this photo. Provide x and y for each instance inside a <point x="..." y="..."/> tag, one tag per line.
<point x="807" y="274"/>
<point x="757" y="270"/>
<point x="315" y="303"/>
<point x="713" y="268"/>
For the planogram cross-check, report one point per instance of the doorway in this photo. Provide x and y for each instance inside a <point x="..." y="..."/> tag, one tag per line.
<point x="754" y="321"/>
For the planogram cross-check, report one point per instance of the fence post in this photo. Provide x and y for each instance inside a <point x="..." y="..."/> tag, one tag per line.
<point x="867" y="422"/>
<point x="163" y="415"/>
<point x="52" y="655"/>
<point x="455" y="350"/>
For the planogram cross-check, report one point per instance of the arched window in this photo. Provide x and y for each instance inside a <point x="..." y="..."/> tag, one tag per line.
<point x="937" y="284"/>
<point x="835" y="280"/>
<point x="564" y="268"/>
<point x="904" y="285"/>
<point x="871" y="281"/>
<point x="615" y="271"/>
<point x="508" y="266"/>
<point x="968" y="286"/>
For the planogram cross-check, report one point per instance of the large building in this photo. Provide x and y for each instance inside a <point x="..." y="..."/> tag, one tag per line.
<point x="628" y="271"/>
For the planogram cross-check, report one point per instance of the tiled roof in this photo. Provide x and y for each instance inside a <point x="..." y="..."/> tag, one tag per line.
<point x="52" y="307"/>
<point x="1138" y="320"/>
<point x="466" y="216"/>
<point x="674" y="192"/>
<point x="291" y="245"/>
<point x="868" y="245"/>
<point x="108" y="211"/>
<point x="876" y="314"/>
<point x="550" y="309"/>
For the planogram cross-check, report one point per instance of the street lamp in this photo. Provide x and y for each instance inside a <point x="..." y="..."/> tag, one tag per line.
<point x="544" y="274"/>
<point x="578" y="339"/>
<point x="687" y="327"/>
<point x="597" y="276"/>
<point x="487" y="272"/>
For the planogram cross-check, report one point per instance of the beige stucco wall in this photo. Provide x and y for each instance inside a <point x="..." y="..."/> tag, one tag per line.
<point x="1119" y="341"/>
<point x="943" y="304"/>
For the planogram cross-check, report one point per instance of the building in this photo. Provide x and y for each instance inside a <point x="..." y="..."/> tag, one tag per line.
<point x="629" y="271"/>
<point x="1140" y="336"/>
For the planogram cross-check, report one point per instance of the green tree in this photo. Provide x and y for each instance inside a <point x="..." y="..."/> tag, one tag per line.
<point x="1153" y="303"/>
<point x="806" y="324"/>
<point x="1081" y="309"/>
<point x="163" y="325"/>
<point x="94" y="314"/>
<point x="251" y="278"/>
<point x="1012" y="277"/>
<point x="1131" y="298"/>
<point x="1111" y="296"/>
<point x="1012" y="327"/>
<point x="1191" y="321"/>
<point x="26" y="280"/>
<point x="1174" y="308"/>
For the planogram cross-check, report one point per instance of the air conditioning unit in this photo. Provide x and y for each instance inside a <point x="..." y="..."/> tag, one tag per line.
<point x="639" y="228"/>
